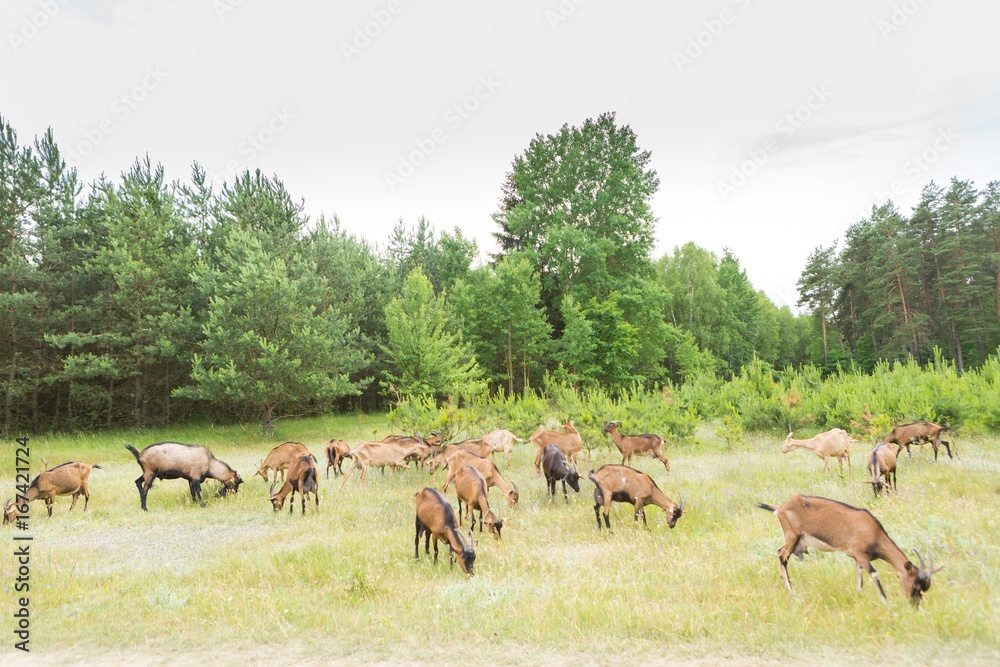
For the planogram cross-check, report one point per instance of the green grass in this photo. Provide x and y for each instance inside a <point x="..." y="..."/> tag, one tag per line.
<point x="234" y="582"/>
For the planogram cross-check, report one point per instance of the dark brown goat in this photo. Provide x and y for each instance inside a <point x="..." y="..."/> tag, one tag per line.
<point x="918" y="433"/>
<point x="555" y="469"/>
<point x="63" y="480"/>
<point x="630" y="445"/>
<point x="336" y="452"/>
<point x="302" y="478"/>
<point x="621" y="484"/>
<point x="175" y="460"/>
<point x="435" y="518"/>
<point x="830" y="525"/>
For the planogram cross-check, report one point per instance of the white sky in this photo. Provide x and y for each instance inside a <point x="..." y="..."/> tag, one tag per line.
<point x="227" y="70"/>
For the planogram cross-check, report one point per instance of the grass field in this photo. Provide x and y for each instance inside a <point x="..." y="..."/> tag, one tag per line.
<point x="233" y="582"/>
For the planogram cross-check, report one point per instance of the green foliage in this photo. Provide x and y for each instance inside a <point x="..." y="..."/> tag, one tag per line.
<point x="425" y="353"/>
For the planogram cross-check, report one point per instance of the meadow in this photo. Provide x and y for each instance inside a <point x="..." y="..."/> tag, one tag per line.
<point x="234" y="582"/>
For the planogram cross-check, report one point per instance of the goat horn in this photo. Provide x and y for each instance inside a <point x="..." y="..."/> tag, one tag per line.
<point x="681" y="505"/>
<point x="272" y="489"/>
<point x="472" y="536"/>
<point x="514" y="484"/>
<point x="7" y="504"/>
<point x="923" y="566"/>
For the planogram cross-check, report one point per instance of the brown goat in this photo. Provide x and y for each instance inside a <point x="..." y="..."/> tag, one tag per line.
<point x="173" y="460"/>
<point x="830" y="525"/>
<point x="279" y="458"/>
<point x="302" y="477"/>
<point x="63" y="480"/>
<point x="440" y="460"/>
<point x="918" y="433"/>
<point x="569" y="442"/>
<point x="435" y="518"/>
<point x="630" y="445"/>
<point x="336" y="452"/>
<point x="471" y="489"/>
<point x="882" y="463"/>
<point x="487" y="468"/>
<point x="622" y="484"/>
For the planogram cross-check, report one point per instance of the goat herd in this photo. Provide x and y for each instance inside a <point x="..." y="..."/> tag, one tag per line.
<point x="807" y="521"/>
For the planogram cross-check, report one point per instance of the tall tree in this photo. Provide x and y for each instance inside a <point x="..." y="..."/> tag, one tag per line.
<point x="426" y="353"/>
<point x="817" y="289"/>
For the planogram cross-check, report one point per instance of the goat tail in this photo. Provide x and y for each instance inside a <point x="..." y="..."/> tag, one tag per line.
<point x="766" y="507"/>
<point x="946" y="428"/>
<point x="97" y="466"/>
<point x="135" y="452"/>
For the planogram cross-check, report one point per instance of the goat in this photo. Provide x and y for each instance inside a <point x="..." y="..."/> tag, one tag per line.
<point x="502" y="441"/>
<point x="555" y="469"/>
<point x="487" y="468"/>
<point x="173" y="460"/>
<point x="471" y="489"/>
<point x="419" y="449"/>
<point x="441" y="459"/>
<point x="630" y="445"/>
<point x="435" y="518"/>
<point x="622" y="484"/>
<point x="835" y="443"/>
<point x="378" y="454"/>
<point x="63" y="480"/>
<point x="477" y="446"/>
<point x="302" y="478"/>
<point x="280" y="458"/>
<point x="336" y="452"/>
<point x="918" y="433"/>
<point x="569" y="442"/>
<point x="882" y="463"/>
<point x="830" y="525"/>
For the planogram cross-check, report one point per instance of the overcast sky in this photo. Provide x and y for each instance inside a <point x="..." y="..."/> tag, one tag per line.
<point x="773" y="124"/>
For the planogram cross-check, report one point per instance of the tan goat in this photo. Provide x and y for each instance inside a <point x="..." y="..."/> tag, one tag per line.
<point x="63" y="480"/>
<point x="279" y="458"/>
<point x="435" y="518"/>
<point x="487" y="468"/>
<point x="834" y="444"/>
<point x="377" y="454"/>
<point x="302" y="477"/>
<point x="622" y="484"/>
<point x="336" y="452"/>
<point x="882" y="463"/>
<point x="502" y="441"/>
<point x="471" y="490"/>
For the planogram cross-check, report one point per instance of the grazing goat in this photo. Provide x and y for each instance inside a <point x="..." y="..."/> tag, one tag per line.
<point x="918" y="433"/>
<point x="555" y="469"/>
<point x="435" y="518"/>
<point x="621" y="484"/>
<point x="630" y="445"/>
<point x="830" y="525"/>
<point x="477" y="446"/>
<point x="441" y="459"/>
<point x="173" y="460"/>
<point x="487" y="468"/>
<point x="302" y="478"/>
<point x="502" y="441"/>
<point x="378" y="454"/>
<point x="63" y="480"/>
<point x="336" y="452"/>
<point x="835" y="443"/>
<point x="569" y="442"/>
<point x="882" y="463"/>
<point x="280" y="458"/>
<point x="471" y="489"/>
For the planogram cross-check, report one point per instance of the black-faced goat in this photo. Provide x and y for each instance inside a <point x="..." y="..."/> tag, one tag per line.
<point x="621" y="484"/>
<point x="555" y="469"/>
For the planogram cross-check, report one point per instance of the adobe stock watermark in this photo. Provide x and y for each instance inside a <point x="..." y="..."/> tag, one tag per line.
<point x="35" y="22"/>
<point x="704" y="39"/>
<point x="900" y="15"/>
<point x="917" y="165"/>
<point x="786" y="126"/>
<point x="121" y="108"/>
<point x="562" y="12"/>
<point x="454" y="117"/>
<point x="223" y="8"/>
<point x="366" y="33"/>
<point x="257" y="142"/>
